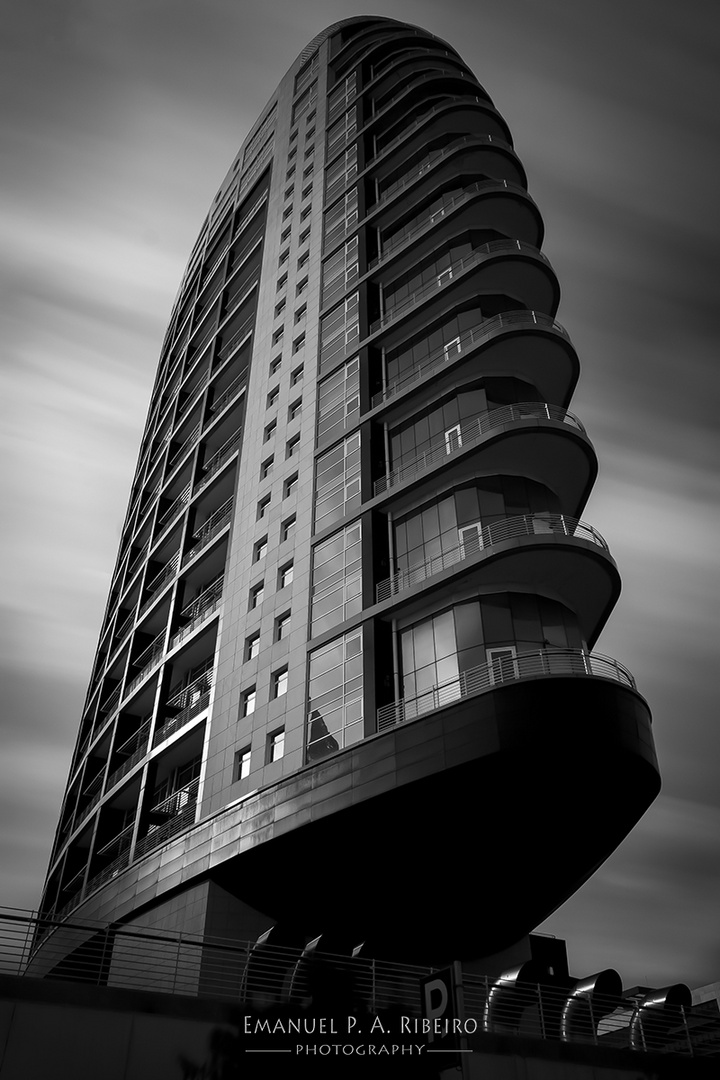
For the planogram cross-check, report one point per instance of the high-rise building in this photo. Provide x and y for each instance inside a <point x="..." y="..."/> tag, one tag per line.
<point x="345" y="682"/>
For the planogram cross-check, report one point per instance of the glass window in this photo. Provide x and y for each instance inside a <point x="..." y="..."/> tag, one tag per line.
<point x="285" y="576"/>
<point x="297" y="375"/>
<point x="282" y="626"/>
<point x="269" y="431"/>
<point x="242" y="763"/>
<point x="295" y="409"/>
<point x="287" y="529"/>
<point x="256" y="594"/>
<point x="280" y="683"/>
<point x="340" y="272"/>
<point x="248" y="701"/>
<point x="340" y="330"/>
<point x="292" y="446"/>
<point x="336" y="579"/>
<point x="252" y="646"/>
<point x="260" y="549"/>
<point x="275" y="746"/>
<point x="338" y="401"/>
<point x="262" y="507"/>
<point x="335" y="705"/>
<point x="337" y="482"/>
<point x="291" y="485"/>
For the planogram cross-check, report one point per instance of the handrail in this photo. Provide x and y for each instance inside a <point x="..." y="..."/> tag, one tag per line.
<point x="399" y="239"/>
<point x="447" y="100"/>
<point x="629" y="1021"/>
<point x="505" y="669"/>
<point x="209" y="594"/>
<point x="230" y="391"/>
<point x="506" y="320"/>
<point x="489" y="536"/>
<point x="200" y="684"/>
<point x="472" y="432"/>
<point x="430" y="159"/>
<point x="209" y="529"/>
<point x="448" y="274"/>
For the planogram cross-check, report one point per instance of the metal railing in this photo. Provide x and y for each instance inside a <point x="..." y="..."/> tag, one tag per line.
<point x="174" y="723"/>
<point x="209" y="530"/>
<point x="507" y="320"/>
<point x="412" y="231"/>
<point x="186" y="445"/>
<point x="501" y="670"/>
<point x="221" y="455"/>
<point x="466" y="435"/>
<point x="449" y="273"/>
<point x="427" y="162"/>
<point x="488" y="536"/>
<point x="448" y="99"/>
<point x="262" y="974"/>
<point x="229" y="392"/>
<point x="174" y="509"/>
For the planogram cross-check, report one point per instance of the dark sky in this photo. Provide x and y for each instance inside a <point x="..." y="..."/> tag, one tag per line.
<point x="118" y="121"/>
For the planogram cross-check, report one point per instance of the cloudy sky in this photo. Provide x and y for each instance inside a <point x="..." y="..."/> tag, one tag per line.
<point x="118" y="119"/>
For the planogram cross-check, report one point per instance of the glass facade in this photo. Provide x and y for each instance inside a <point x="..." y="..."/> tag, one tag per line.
<point x="335" y="693"/>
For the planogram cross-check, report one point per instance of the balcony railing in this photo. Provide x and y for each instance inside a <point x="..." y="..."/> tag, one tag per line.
<point x="449" y="273"/>
<point x="188" y="695"/>
<point x="221" y="455"/>
<point x="186" y="445"/>
<point x="507" y="320"/>
<point x="175" y="507"/>
<point x="209" y="530"/>
<point x="411" y="232"/>
<point x="501" y="670"/>
<point x="431" y="159"/>
<point x="229" y="392"/>
<point x="449" y="99"/>
<point x="489" y="536"/>
<point x="471" y="433"/>
<point x="233" y="343"/>
<point x="180" y="808"/>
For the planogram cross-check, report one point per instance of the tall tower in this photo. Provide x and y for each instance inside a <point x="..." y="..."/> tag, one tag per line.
<point x="347" y="653"/>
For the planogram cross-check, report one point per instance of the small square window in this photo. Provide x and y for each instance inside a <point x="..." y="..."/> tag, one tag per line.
<point x="285" y="234"/>
<point x="298" y="343"/>
<point x="291" y="171"/>
<point x="262" y="507"/>
<point x="266" y="467"/>
<point x="252" y="646"/>
<point x="242" y="763"/>
<point x="275" y="746"/>
<point x="310" y="117"/>
<point x="287" y="212"/>
<point x="282" y="626"/>
<point x="295" y="409"/>
<point x="248" y="701"/>
<point x="309" y="133"/>
<point x="309" y="171"/>
<point x="307" y="191"/>
<point x="256" y="594"/>
<point x="301" y="287"/>
<point x="284" y="255"/>
<point x="279" y="683"/>
<point x="282" y="282"/>
<point x="285" y="576"/>
<point x="297" y="375"/>
<point x="269" y="431"/>
<point x="303" y="259"/>
<point x="290" y="486"/>
<point x="287" y="529"/>
<point x="305" y="236"/>
<point x="278" y="336"/>
<point x="272" y="398"/>
<point x="275" y="365"/>
<point x="306" y="213"/>
<point x="293" y="135"/>
<point x="301" y="313"/>
<point x="289" y="191"/>
<point x="292" y="446"/>
<point x="260" y="548"/>
<point x="280" y="307"/>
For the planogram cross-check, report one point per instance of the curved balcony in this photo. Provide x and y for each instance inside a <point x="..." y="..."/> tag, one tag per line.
<point x="472" y="433"/>
<point x="398" y="241"/>
<point x="448" y="277"/>
<point x="450" y="101"/>
<point x="506" y="669"/>
<point x="489" y="536"/>
<point x="498" y="325"/>
<point x="428" y="163"/>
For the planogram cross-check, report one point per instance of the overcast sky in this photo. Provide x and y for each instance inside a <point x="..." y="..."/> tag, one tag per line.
<point x="118" y="120"/>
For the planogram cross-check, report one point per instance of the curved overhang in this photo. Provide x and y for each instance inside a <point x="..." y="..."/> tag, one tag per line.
<point x="472" y="156"/>
<point x="553" y="453"/>
<point x="576" y="572"/>
<point x="494" y="205"/>
<point x="460" y="117"/>
<point x="533" y="783"/>
<point x="502" y="267"/>
<point x="522" y="345"/>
